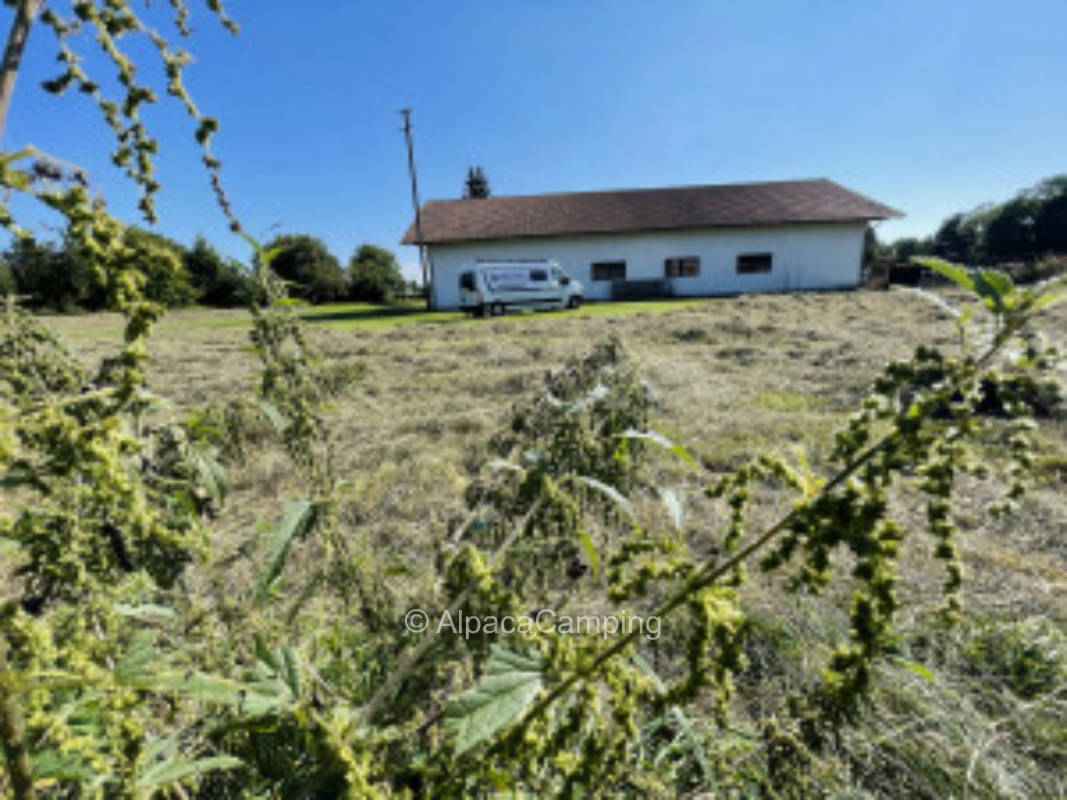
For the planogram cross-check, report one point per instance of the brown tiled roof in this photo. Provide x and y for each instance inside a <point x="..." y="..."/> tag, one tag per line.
<point x="630" y="210"/>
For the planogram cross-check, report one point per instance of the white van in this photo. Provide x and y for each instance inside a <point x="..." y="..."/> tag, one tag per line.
<point x="496" y="286"/>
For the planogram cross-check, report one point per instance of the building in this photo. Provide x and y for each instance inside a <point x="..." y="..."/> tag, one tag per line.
<point x="680" y="241"/>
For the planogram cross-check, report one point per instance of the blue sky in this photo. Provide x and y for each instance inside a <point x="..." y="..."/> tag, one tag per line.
<point x="931" y="107"/>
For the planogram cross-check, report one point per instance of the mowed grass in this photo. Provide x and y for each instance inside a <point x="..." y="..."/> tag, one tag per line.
<point x="734" y="377"/>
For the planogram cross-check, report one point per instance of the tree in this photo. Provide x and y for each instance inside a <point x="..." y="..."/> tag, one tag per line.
<point x="375" y="275"/>
<point x="904" y="249"/>
<point x="957" y="239"/>
<point x="872" y="248"/>
<point x="477" y="185"/>
<point x="161" y="261"/>
<point x="312" y="270"/>
<point x="61" y="275"/>
<point x="8" y="286"/>
<point x="1010" y="235"/>
<point x="48" y="276"/>
<point x="1050" y="222"/>
<point x="219" y="281"/>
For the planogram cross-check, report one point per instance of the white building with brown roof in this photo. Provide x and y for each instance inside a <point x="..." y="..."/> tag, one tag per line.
<point x="687" y="241"/>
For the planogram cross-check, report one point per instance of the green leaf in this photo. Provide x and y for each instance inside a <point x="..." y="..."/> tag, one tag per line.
<point x="136" y="662"/>
<point x="211" y="473"/>
<point x="954" y="272"/>
<point x="917" y="668"/>
<point x="994" y="287"/>
<point x="256" y="246"/>
<point x="273" y="415"/>
<point x="177" y="769"/>
<point x="1050" y="293"/>
<point x="610" y="492"/>
<point x="292" y="670"/>
<point x="661" y="440"/>
<point x="61" y="766"/>
<point x="252" y="699"/>
<point x="590" y="550"/>
<point x="265" y="654"/>
<point x="511" y="681"/>
<point x="296" y="521"/>
<point x="267" y="255"/>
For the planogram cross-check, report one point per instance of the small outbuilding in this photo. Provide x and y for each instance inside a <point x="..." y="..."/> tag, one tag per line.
<point x="685" y="241"/>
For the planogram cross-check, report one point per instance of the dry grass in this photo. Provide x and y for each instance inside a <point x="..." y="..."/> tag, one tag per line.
<point x="735" y="376"/>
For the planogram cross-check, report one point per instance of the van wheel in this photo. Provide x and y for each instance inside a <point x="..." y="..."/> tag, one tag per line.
<point x="574" y="302"/>
<point x="496" y="309"/>
<point x="479" y="311"/>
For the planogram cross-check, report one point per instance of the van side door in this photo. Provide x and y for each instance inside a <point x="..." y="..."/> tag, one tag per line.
<point x="545" y="290"/>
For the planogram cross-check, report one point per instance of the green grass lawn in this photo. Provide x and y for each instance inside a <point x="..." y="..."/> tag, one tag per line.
<point x="358" y="315"/>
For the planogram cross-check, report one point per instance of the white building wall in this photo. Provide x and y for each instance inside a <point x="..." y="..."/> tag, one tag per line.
<point x="807" y="256"/>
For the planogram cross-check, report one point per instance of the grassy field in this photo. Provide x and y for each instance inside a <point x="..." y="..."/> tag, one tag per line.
<point x="734" y="377"/>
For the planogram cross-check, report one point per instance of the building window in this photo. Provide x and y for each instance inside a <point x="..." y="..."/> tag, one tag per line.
<point x="684" y="267"/>
<point x="754" y="262"/>
<point x="609" y="271"/>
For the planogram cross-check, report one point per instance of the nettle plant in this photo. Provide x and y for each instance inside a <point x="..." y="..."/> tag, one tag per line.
<point x="559" y="519"/>
<point x="559" y="714"/>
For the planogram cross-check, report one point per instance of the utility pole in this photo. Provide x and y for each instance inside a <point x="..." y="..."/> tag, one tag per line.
<point x="427" y="269"/>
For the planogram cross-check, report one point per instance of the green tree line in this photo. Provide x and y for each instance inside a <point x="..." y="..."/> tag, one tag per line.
<point x="58" y="275"/>
<point x="1030" y="227"/>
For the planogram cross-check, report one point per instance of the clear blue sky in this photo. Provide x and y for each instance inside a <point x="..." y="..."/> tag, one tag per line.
<point x="928" y="106"/>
